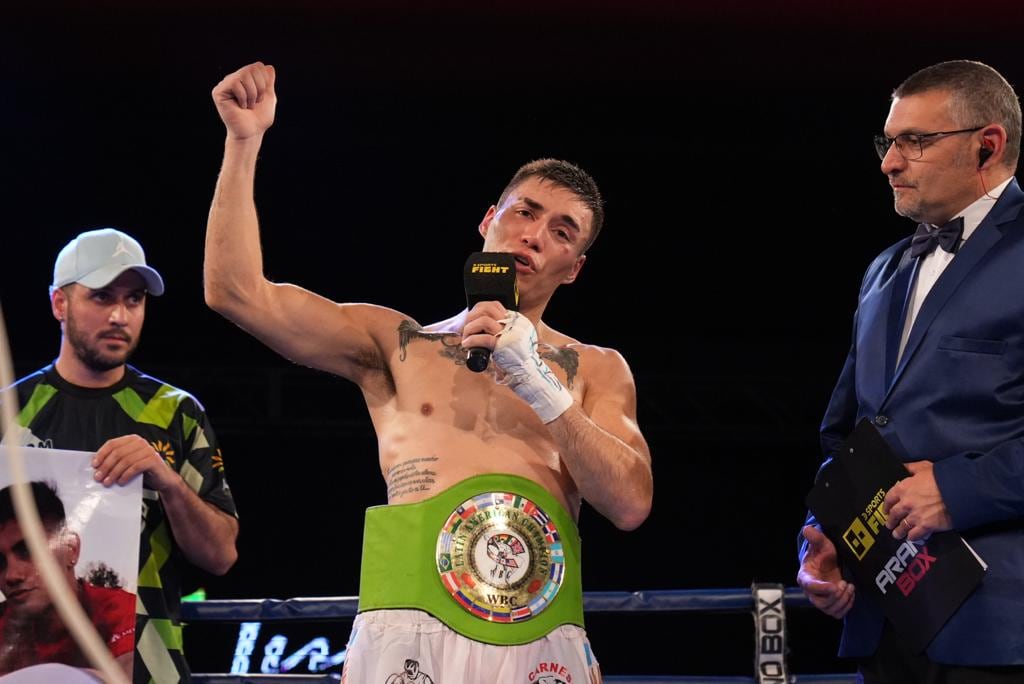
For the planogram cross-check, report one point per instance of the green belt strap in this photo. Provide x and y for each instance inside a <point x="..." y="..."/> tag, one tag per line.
<point x="399" y="567"/>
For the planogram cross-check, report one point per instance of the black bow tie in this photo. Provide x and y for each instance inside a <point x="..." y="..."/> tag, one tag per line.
<point x="928" y="236"/>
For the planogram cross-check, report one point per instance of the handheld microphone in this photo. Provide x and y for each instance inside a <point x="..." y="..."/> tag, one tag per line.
<point x="489" y="276"/>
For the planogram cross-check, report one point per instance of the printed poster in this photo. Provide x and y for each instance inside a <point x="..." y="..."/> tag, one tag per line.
<point x="94" y="533"/>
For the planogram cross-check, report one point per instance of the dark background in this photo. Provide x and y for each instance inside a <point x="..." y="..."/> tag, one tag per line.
<point x="731" y="141"/>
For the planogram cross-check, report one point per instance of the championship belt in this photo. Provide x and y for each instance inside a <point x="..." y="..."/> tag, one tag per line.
<point x="495" y="557"/>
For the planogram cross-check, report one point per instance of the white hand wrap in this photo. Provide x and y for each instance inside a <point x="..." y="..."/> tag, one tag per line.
<point x="526" y="374"/>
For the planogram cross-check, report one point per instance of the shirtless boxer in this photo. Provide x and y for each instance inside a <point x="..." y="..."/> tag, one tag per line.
<point x="470" y="459"/>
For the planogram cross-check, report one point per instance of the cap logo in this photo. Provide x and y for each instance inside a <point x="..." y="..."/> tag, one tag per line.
<point x="121" y="248"/>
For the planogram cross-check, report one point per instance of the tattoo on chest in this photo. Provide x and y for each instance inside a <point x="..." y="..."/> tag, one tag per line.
<point x="450" y="346"/>
<point x="413" y="475"/>
<point x="568" y="359"/>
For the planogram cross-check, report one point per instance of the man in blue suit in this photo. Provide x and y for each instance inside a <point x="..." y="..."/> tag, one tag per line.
<point x="937" y="364"/>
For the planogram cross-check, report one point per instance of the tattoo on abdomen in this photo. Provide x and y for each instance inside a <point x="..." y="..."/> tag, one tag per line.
<point x="451" y="349"/>
<point x="568" y="359"/>
<point x="413" y="475"/>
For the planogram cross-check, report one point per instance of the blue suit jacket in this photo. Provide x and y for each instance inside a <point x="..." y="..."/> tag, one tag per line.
<point x="956" y="398"/>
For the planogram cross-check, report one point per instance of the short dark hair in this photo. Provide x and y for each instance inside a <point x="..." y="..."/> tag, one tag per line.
<point x="569" y="176"/>
<point x="979" y="96"/>
<point x="51" y="509"/>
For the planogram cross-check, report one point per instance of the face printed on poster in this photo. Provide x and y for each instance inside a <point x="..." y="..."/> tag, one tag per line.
<point x="93" y="532"/>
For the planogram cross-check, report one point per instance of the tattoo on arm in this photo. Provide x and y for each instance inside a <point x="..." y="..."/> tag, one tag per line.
<point x="568" y="359"/>
<point x="452" y="349"/>
<point x="413" y="475"/>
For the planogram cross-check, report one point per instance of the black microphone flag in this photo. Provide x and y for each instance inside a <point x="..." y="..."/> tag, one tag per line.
<point x="489" y="276"/>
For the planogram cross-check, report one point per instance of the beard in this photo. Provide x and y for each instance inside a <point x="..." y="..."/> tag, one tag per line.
<point x="90" y="353"/>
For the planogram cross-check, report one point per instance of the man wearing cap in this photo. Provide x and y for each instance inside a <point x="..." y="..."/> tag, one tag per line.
<point x="90" y="399"/>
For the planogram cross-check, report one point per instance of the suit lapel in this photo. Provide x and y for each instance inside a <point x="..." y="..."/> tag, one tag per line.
<point x="900" y="294"/>
<point x="984" y="238"/>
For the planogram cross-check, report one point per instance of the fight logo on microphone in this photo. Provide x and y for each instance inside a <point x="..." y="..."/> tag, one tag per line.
<point x="489" y="268"/>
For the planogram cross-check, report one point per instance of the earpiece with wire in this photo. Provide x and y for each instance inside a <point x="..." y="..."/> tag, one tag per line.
<point x="983" y="154"/>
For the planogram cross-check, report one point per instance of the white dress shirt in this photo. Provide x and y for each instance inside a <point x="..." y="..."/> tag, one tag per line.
<point x="932" y="265"/>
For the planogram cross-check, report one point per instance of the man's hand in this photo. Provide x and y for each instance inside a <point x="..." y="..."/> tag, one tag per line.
<point x="484" y="322"/>
<point x="246" y="100"/>
<point x="205" y="533"/>
<point x="122" y="458"/>
<point x="914" y="506"/>
<point x="820" y="578"/>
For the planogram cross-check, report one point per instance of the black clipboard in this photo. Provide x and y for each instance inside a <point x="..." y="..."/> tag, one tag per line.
<point x="918" y="585"/>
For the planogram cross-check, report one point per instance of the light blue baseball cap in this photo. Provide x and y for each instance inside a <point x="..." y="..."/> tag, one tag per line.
<point x="96" y="257"/>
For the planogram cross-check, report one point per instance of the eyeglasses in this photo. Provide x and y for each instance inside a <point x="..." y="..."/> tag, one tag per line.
<point x="911" y="145"/>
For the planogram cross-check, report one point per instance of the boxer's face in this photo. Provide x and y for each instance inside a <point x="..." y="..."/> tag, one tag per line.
<point x="545" y="226"/>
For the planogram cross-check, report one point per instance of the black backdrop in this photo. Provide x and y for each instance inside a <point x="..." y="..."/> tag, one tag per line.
<point x="744" y="200"/>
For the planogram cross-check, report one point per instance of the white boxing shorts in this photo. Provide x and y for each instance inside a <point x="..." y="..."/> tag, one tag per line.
<point x="399" y="646"/>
